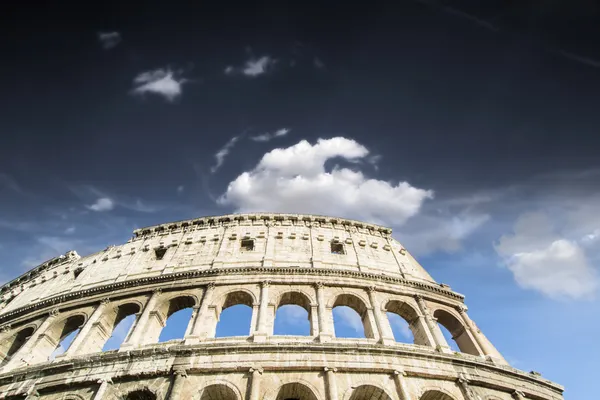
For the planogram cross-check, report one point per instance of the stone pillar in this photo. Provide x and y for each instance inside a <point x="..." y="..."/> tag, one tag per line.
<point x="384" y="335"/>
<point x="463" y="383"/>
<point x="179" y="378"/>
<point x="32" y="394"/>
<point x="104" y="384"/>
<point x="436" y="333"/>
<point x="92" y="323"/>
<point x="331" y="383"/>
<point x="29" y="352"/>
<point x="488" y="349"/>
<point x="137" y="333"/>
<point x="201" y="325"/>
<point x="255" y="383"/>
<point x="314" y="320"/>
<point x="261" y="332"/>
<point x="324" y="331"/>
<point x="269" y="255"/>
<point x="518" y="395"/>
<point x="400" y="385"/>
<point x="192" y="323"/>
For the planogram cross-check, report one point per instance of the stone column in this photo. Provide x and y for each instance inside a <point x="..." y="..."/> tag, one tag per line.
<point x="29" y="352"/>
<point x="518" y="395"/>
<point x="137" y="333"/>
<point x="104" y="384"/>
<point x="324" y="332"/>
<point x="76" y="347"/>
<point x="32" y="394"/>
<point x="463" y="383"/>
<point x="261" y="332"/>
<point x="179" y="378"/>
<point x="379" y="319"/>
<point x="331" y="383"/>
<point x="400" y="385"/>
<point x="199" y="327"/>
<point x="314" y="320"/>
<point x="255" y="383"/>
<point x="488" y="349"/>
<point x="440" y="341"/>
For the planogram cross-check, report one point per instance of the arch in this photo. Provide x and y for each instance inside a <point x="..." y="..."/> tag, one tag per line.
<point x="460" y="334"/>
<point x="298" y="299"/>
<point x="142" y="394"/>
<point x="409" y="314"/>
<point x="168" y="309"/>
<point x="295" y="391"/>
<point x="230" y="300"/>
<point x="436" y="394"/>
<point x="113" y="320"/>
<point x="360" y="306"/>
<point x="231" y="388"/>
<point x="10" y="345"/>
<point x="367" y="392"/>
<point x="56" y="337"/>
<point x="219" y="391"/>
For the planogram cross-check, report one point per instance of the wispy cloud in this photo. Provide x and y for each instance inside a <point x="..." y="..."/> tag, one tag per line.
<point x="265" y="137"/>
<point x="8" y="182"/>
<point x="223" y="153"/>
<point x="109" y="40"/>
<point x="163" y="82"/>
<point x="253" y="67"/>
<point x="318" y="63"/>
<point x="102" y="204"/>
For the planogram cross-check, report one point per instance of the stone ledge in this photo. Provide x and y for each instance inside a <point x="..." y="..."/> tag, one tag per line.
<point x="175" y="353"/>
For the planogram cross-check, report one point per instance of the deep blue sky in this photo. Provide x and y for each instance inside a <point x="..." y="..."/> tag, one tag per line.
<point x="470" y="129"/>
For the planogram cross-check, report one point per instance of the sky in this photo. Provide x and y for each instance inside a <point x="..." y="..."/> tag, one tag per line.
<point x="469" y="128"/>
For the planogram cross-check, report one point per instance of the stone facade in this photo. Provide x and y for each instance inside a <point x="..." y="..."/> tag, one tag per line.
<point x="264" y="261"/>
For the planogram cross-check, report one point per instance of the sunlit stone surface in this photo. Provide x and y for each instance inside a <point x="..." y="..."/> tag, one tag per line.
<point x="263" y="261"/>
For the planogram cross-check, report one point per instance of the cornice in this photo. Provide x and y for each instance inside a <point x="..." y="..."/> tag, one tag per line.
<point x="178" y="352"/>
<point x="213" y="272"/>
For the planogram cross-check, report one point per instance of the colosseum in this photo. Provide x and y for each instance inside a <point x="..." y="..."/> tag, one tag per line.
<point x="263" y="261"/>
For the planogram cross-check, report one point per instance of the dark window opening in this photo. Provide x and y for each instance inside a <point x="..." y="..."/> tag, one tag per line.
<point x="77" y="272"/>
<point x="160" y="252"/>
<point x="247" y="244"/>
<point x="337" y="248"/>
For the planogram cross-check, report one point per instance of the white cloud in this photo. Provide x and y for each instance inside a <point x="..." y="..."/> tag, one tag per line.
<point x="70" y="230"/>
<point x="265" y="137"/>
<point x="180" y="189"/>
<point x="163" y="82"/>
<point x="102" y="204"/>
<point x="108" y="40"/>
<point x="253" y="67"/>
<point x="292" y="314"/>
<point x="223" y="152"/>
<point x="294" y="179"/>
<point x="541" y="259"/>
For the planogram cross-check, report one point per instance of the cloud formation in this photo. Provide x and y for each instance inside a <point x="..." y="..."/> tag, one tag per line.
<point x="265" y="137"/>
<point x="223" y="153"/>
<point x="253" y="67"/>
<point x="294" y="179"/>
<point x="163" y="82"/>
<point x="541" y="259"/>
<point x="109" y="40"/>
<point x="102" y="204"/>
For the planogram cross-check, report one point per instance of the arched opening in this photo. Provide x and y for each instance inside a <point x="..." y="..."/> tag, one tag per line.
<point x="143" y="394"/>
<point x="293" y="315"/>
<point x="404" y="321"/>
<point x="351" y="318"/>
<point x="295" y="391"/>
<point x="218" y="392"/>
<point x="369" y="392"/>
<point x="120" y="322"/>
<point x="435" y="395"/>
<point x="65" y="336"/>
<point x="178" y="317"/>
<point x="457" y="332"/>
<point x="235" y="315"/>
<point x="11" y="345"/>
